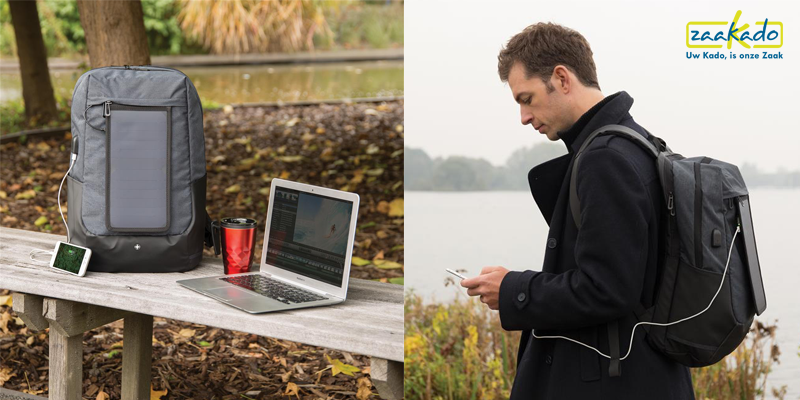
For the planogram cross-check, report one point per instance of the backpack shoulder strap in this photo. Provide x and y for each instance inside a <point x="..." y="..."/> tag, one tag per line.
<point x="618" y="130"/>
<point x="614" y="368"/>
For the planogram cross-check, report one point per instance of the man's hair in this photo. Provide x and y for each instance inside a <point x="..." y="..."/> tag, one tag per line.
<point x="543" y="46"/>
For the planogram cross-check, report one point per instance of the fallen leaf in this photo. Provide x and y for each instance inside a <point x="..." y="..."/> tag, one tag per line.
<point x="186" y="332"/>
<point x="378" y="256"/>
<point x="327" y="154"/>
<point x="3" y="194"/>
<point x="233" y="189"/>
<point x="292" y="389"/>
<point x="383" y="264"/>
<point x="396" y="208"/>
<point x="290" y="159"/>
<point x="364" y="386"/>
<point x="5" y="318"/>
<point x="383" y="207"/>
<point x="6" y="374"/>
<point x="340" y="367"/>
<point x="397" y="281"/>
<point x="41" y="221"/>
<point x="292" y="122"/>
<point x="6" y="300"/>
<point x="102" y="396"/>
<point x="29" y="341"/>
<point x="382" y="234"/>
<point x="360" y="262"/>
<point x="28" y="194"/>
<point x="156" y="394"/>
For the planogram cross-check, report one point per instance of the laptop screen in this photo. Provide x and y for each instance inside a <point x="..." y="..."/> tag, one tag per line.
<point x="308" y="234"/>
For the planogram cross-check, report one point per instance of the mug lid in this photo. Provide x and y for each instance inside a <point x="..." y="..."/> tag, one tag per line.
<point x="238" y="223"/>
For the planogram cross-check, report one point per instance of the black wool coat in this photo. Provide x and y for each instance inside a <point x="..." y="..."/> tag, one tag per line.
<point x="594" y="275"/>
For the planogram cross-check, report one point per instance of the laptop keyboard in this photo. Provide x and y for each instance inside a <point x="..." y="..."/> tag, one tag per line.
<point x="274" y="289"/>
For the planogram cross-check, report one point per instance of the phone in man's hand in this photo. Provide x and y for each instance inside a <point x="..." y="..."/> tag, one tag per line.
<point x="462" y="277"/>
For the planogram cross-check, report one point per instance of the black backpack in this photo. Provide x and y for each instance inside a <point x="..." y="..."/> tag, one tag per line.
<point x="137" y="191"/>
<point x="699" y="315"/>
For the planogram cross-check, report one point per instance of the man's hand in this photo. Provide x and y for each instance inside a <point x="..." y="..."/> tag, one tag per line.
<point x="486" y="285"/>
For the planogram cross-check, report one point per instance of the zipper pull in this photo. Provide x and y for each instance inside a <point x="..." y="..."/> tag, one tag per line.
<point x="671" y="205"/>
<point x="107" y="109"/>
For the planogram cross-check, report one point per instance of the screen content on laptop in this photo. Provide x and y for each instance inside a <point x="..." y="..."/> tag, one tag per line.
<point x="308" y="234"/>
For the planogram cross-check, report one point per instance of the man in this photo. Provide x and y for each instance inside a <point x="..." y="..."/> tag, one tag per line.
<point x="594" y="277"/>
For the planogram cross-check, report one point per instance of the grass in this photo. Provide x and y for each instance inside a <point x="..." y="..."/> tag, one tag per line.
<point x="458" y="350"/>
<point x="12" y="116"/>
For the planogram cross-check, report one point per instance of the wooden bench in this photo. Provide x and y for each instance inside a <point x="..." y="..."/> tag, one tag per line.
<point x="370" y="322"/>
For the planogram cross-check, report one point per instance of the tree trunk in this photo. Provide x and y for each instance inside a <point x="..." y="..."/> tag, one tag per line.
<point x="37" y="90"/>
<point x="114" y="32"/>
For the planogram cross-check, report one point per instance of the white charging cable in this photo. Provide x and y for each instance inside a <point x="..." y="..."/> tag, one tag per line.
<point x="633" y="331"/>
<point x="35" y="252"/>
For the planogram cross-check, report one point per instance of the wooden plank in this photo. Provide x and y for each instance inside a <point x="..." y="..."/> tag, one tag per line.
<point x="72" y="318"/>
<point x="66" y="366"/>
<point x="369" y="322"/>
<point x="29" y="309"/>
<point x="137" y="355"/>
<point x="387" y="376"/>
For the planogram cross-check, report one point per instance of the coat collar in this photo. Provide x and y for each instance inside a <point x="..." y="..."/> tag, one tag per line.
<point x="547" y="179"/>
<point x="610" y="110"/>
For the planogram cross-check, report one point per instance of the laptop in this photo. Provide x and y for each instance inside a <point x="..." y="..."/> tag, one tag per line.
<point x="305" y="262"/>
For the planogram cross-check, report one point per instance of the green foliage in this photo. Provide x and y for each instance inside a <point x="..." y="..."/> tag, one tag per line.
<point x="364" y="25"/>
<point x="354" y="24"/>
<point x="164" y="35"/>
<point x="743" y="373"/>
<point x="458" y="350"/>
<point x="61" y="27"/>
<point x="12" y="116"/>
<point x="64" y="36"/>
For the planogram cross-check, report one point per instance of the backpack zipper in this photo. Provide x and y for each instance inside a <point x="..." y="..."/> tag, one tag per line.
<point x="671" y="205"/>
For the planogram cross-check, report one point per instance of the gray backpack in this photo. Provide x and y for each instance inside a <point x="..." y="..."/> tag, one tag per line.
<point x="707" y="293"/>
<point x="137" y="191"/>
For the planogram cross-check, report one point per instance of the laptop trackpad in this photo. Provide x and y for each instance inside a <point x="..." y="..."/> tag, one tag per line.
<point x="244" y="299"/>
<point x="231" y="293"/>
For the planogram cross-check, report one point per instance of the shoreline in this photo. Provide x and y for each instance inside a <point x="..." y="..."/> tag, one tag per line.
<point x="216" y="60"/>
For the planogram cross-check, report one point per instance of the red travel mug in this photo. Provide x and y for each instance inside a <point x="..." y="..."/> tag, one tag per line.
<point x="235" y="238"/>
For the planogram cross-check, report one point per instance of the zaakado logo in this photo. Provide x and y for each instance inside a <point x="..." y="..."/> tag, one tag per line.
<point x="709" y="34"/>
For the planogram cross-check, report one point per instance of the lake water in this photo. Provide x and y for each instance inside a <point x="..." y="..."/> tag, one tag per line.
<point x="262" y="83"/>
<point x="476" y="229"/>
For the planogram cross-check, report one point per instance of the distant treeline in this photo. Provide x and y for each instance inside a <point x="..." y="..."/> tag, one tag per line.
<point x="457" y="173"/>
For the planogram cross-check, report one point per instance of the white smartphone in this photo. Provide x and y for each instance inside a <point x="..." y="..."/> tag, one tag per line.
<point x="455" y="273"/>
<point x="70" y="258"/>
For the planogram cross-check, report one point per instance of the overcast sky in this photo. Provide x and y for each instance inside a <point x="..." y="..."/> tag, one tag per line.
<point x="732" y="110"/>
